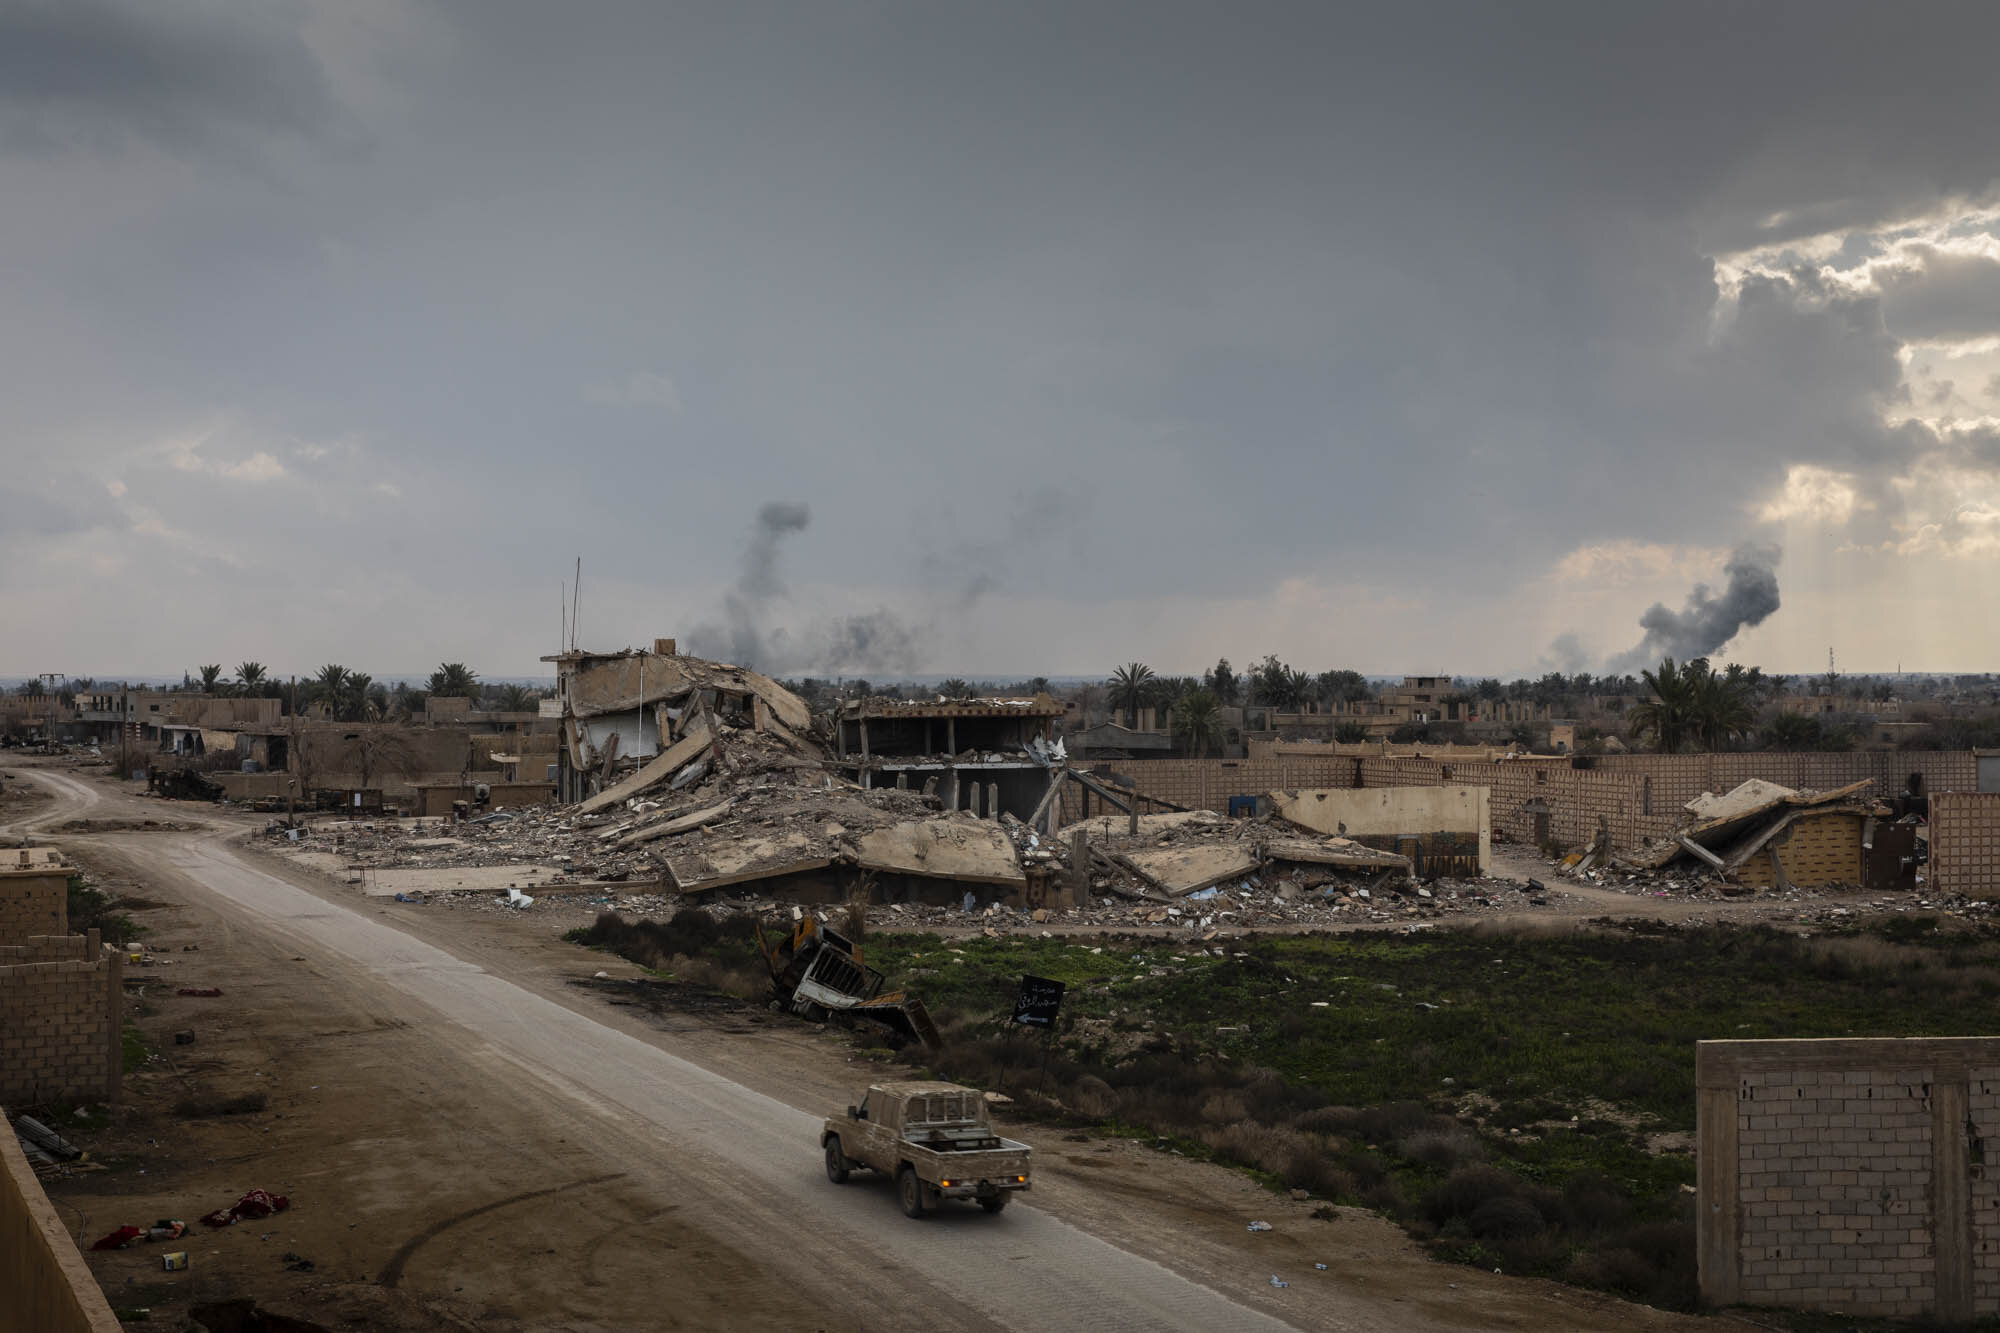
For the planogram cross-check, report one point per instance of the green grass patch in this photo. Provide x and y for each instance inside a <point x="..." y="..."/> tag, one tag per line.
<point x="1498" y="1093"/>
<point x="134" y="1049"/>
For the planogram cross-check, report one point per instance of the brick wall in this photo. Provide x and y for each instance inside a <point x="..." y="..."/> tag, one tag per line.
<point x="60" y="1019"/>
<point x="1965" y="844"/>
<point x="1679" y="778"/>
<point x="33" y="903"/>
<point x="1576" y="799"/>
<point x="1848" y="1175"/>
<point x="1814" y="849"/>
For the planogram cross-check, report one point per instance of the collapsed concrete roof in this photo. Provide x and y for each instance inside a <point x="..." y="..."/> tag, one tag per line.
<point x="1742" y="820"/>
<point x="600" y="683"/>
<point x="1040" y="705"/>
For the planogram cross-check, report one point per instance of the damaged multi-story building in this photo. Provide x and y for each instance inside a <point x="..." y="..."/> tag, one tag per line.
<point x="974" y="754"/>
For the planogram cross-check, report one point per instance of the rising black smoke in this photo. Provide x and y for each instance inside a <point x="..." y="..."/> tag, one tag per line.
<point x="874" y="643"/>
<point x="1708" y="621"/>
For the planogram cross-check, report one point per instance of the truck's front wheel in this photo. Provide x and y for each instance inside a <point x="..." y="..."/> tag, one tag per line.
<point x="912" y="1191"/>
<point x="994" y="1204"/>
<point x="836" y="1163"/>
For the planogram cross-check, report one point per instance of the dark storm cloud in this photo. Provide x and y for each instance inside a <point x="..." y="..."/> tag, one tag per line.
<point x="99" y="72"/>
<point x="1248" y="293"/>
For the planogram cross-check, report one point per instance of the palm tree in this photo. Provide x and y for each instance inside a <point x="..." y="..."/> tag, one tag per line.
<point x="1792" y="731"/>
<point x="1198" y="721"/>
<point x="250" y="678"/>
<point x="329" y="686"/>
<point x="517" y="699"/>
<point x="356" y="699"/>
<point x="210" y="674"/>
<point x="454" y="680"/>
<point x="1128" y="689"/>
<point x="1294" y="690"/>
<point x="1349" y="733"/>
<point x="1723" y="706"/>
<point x="1668" y="716"/>
<point x="955" y="688"/>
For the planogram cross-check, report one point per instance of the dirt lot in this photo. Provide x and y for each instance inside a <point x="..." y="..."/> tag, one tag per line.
<point x="426" y="1193"/>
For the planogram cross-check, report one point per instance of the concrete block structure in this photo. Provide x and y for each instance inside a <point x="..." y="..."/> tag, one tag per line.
<point x="1850" y="1175"/>
<point x="34" y="893"/>
<point x="1965" y="843"/>
<point x="61" y="1020"/>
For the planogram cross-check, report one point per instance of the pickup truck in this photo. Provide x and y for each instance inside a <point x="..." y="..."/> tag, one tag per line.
<point x="935" y="1140"/>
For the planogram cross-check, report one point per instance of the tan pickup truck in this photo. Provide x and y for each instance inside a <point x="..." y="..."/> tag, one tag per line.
<point x="935" y="1139"/>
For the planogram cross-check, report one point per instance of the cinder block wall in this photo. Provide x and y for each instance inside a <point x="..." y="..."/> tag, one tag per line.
<point x="33" y="904"/>
<point x="61" y="1013"/>
<point x="1576" y="799"/>
<point x="1850" y="1175"/>
<point x="1965" y="844"/>
<point x="44" y="1284"/>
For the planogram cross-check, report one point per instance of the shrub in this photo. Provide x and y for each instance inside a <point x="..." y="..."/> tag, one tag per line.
<point x="1462" y="1192"/>
<point x="1504" y="1218"/>
<point x="1594" y="1203"/>
<point x="1092" y="1096"/>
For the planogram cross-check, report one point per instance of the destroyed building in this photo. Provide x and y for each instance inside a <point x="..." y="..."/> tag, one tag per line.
<point x="618" y="709"/>
<point x="972" y="753"/>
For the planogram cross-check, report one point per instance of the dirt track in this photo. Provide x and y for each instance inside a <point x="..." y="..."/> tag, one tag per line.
<point x="471" y="1139"/>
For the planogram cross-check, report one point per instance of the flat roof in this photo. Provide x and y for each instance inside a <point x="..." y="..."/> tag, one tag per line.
<point x="1040" y="705"/>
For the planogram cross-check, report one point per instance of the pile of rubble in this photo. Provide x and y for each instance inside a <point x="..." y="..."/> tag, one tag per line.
<point x="1737" y="845"/>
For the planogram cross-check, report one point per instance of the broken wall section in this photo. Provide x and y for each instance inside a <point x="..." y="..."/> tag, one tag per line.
<point x="1447" y="826"/>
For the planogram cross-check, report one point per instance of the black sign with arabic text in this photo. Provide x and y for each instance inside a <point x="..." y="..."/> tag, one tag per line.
<point x="1039" y="1002"/>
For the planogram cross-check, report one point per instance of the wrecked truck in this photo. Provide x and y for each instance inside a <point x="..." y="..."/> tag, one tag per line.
<point x="935" y="1140"/>
<point x="818" y="973"/>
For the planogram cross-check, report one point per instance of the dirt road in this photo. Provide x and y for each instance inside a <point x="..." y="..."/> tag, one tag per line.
<point x="549" y="1144"/>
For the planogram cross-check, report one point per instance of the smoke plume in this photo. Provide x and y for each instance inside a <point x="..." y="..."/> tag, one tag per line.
<point x="1708" y="621"/>
<point x="876" y="642"/>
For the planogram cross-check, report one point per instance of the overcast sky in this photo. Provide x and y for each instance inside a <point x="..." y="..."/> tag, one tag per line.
<point x="1400" y="337"/>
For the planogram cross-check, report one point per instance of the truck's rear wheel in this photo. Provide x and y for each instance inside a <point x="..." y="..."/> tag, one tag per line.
<point x="836" y="1163"/>
<point x="994" y="1204"/>
<point x="911" y="1190"/>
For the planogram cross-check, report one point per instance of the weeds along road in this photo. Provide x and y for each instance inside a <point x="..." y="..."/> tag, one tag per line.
<point x="746" y="1165"/>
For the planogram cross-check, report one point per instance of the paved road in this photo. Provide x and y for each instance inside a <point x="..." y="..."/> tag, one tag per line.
<point x="751" y="1163"/>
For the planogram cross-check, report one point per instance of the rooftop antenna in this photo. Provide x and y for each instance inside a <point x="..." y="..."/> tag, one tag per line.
<point x="562" y="614"/>
<point x="576" y="596"/>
